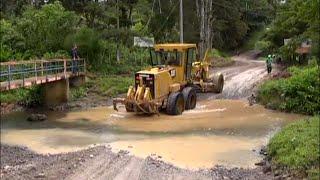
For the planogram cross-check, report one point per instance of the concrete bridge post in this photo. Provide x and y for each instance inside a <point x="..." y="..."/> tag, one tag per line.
<point x="56" y="92"/>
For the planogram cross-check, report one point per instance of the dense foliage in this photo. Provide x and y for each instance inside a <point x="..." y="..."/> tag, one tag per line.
<point x="296" y="147"/>
<point x="296" y="20"/>
<point x="35" y="29"/>
<point x="110" y="86"/>
<point x="298" y="93"/>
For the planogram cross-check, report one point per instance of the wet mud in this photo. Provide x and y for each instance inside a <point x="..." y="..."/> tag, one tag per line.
<point x="216" y="132"/>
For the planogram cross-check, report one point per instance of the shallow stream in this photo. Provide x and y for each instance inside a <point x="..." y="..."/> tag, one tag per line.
<point x="217" y="132"/>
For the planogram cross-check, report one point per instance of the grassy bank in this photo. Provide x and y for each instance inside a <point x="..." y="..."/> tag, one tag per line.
<point x="109" y="86"/>
<point x="299" y="93"/>
<point x="105" y="86"/>
<point x="219" y="58"/>
<point x="296" y="148"/>
<point x="24" y="96"/>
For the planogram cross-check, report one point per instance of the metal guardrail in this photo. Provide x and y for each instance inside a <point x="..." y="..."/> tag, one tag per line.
<point x="11" y="72"/>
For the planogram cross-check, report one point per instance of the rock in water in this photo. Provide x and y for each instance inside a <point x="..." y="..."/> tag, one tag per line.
<point x="37" y="117"/>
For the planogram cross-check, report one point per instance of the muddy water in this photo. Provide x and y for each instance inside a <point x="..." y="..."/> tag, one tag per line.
<point x="224" y="132"/>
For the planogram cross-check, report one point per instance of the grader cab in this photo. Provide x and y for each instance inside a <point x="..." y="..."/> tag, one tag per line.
<point x="171" y="83"/>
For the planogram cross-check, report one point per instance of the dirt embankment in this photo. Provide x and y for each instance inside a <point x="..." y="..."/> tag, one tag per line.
<point x="6" y="108"/>
<point x="101" y="163"/>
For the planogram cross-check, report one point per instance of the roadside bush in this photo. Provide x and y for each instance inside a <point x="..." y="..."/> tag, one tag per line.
<point x="296" y="147"/>
<point x="61" y="54"/>
<point x="313" y="61"/>
<point x="264" y="46"/>
<point x="25" y="96"/>
<point x="298" y="93"/>
<point x="215" y="53"/>
<point x="131" y="59"/>
<point x="78" y="92"/>
<point x="114" y="85"/>
<point x="219" y="58"/>
<point x="5" y="53"/>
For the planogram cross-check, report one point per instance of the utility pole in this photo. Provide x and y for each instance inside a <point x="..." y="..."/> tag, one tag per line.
<point x="118" y="23"/>
<point x="160" y="7"/>
<point x="181" y="21"/>
<point x="118" y="27"/>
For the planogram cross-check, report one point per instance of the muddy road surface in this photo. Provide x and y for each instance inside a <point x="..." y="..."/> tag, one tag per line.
<point x="220" y="139"/>
<point x="241" y="78"/>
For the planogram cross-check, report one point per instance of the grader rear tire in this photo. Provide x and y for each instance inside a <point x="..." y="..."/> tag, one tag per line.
<point x="175" y="104"/>
<point x="190" y="97"/>
<point x="218" y="82"/>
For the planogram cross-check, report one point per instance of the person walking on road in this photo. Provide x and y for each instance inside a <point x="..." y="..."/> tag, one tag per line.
<point x="269" y="63"/>
<point x="75" y="57"/>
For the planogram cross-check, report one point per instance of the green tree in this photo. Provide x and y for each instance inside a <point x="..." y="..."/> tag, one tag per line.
<point x="11" y="41"/>
<point x="10" y="37"/>
<point x="297" y="20"/>
<point x="88" y="44"/>
<point x="45" y="29"/>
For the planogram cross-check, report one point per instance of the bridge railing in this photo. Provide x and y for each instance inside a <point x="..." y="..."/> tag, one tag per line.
<point x="21" y="70"/>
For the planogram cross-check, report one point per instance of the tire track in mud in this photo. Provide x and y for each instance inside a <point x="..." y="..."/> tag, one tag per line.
<point x="240" y="78"/>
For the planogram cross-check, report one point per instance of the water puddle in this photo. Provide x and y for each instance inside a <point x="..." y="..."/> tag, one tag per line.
<point x="224" y="132"/>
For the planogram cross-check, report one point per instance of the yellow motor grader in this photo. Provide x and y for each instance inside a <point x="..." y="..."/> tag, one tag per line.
<point x="172" y="82"/>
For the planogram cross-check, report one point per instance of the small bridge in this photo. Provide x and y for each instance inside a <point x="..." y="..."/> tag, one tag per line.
<point x="53" y="74"/>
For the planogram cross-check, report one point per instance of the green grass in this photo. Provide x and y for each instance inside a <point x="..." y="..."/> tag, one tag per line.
<point x="113" y="85"/>
<point x="296" y="148"/>
<point x="78" y="92"/>
<point x="219" y="58"/>
<point x="107" y="85"/>
<point x="24" y="96"/>
<point x="298" y="93"/>
<point x="215" y="53"/>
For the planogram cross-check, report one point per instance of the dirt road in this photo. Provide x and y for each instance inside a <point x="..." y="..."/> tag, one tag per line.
<point x="102" y="163"/>
<point x="241" y="78"/>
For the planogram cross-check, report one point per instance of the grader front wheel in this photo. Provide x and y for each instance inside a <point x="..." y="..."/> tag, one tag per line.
<point x="190" y="97"/>
<point x="175" y="104"/>
<point x="218" y="82"/>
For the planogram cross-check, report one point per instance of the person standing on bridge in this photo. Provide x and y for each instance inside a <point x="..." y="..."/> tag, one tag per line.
<point x="75" y="57"/>
<point x="269" y="63"/>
